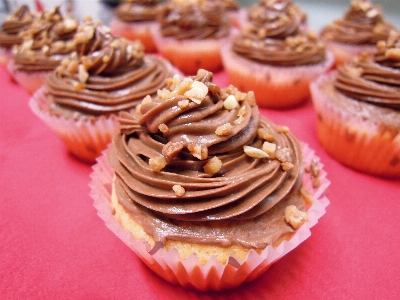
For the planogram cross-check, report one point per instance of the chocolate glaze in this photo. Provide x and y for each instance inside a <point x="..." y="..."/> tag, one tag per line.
<point x="243" y="203"/>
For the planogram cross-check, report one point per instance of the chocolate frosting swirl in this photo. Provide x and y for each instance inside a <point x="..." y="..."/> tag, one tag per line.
<point x="188" y="20"/>
<point x="244" y="189"/>
<point x="363" y="23"/>
<point x="47" y="41"/>
<point x="374" y="78"/>
<point x="275" y="37"/>
<point x="137" y="10"/>
<point x="13" y="25"/>
<point x="220" y="208"/>
<point x="108" y="74"/>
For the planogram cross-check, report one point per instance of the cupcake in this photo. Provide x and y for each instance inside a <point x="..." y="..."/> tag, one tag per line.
<point x="46" y="43"/>
<point x="275" y="58"/>
<point x="233" y="9"/>
<point x="80" y="100"/>
<point x="204" y="189"/>
<point x="362" y="26"/>
<point x="10" y="32"/>
<point x="134" y="20"/>
<point x="358" y="110"/>
<point x="190" y="34"/>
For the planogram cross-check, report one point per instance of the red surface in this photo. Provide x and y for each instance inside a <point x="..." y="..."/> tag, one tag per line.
<point x="54" y="246"/>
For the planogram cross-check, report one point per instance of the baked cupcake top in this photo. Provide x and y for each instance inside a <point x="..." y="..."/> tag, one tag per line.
<point x="363" y="23"/>
<point x="13" y="25"/>
<point x="105" y="75"/>
<point x="194" y="19"/>
<point x="206" y="167"/>
<point x="374" y="78"/>
<point x="275" y="37"/>
<point x="137" y="10"/>
<point x="47" y="41"/>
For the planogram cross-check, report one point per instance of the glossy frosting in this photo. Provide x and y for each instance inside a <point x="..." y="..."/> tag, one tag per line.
<point x="374" y="78"/>
<point x="199" y="19"/>
<point x="275" y="36"/>
<point x="363" y="23"/>
<point x="227" y="207"/>
<point x="13" y="25"/>
<point x="137" y="10"/>
<point x="46" y="42"/>
<point x="106" y="75"/>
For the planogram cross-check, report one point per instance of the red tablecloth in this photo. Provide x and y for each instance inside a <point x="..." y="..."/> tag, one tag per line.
<point x="54" y="246"/>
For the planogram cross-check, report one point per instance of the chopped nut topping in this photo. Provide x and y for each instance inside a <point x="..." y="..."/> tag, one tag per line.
<point x="306" y="196"/>
<point x="165" y="94"/>
<point x="242" y="111"/>
<point x="179" y="190"/>
<point x="269" y="148"/>
<point x="183" y="103"/>
<point x="287" y="166"/>
<point x="171" y="149"/>
<point x="295" y="217"/>
<point x="184" y="86"/>
<point x="239" y="120"/>
<point x="163" y="128"/>
<point x="157" y="163"/>
<point x="393" y="53"/>
<point x="284" y="155"/>
<point x="230" y="102"/>
<point x="224" y="130"/>
<point x="198" y="151"/>
<point x="45" y="49"/>
<point x="254" y="152"/>
<point x="82" y="74"/>
<point x="197" y="92"/>
<point x="251" y="99"/>
<point x="283" y="129"/>
<point x="213" y="165"/>
<point x="264" y="134"/>
<point x="73" y="66"/>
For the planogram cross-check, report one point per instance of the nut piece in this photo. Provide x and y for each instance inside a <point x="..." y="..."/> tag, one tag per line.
<point x="157" y="163"/>
<point x="198" y="151"/>
<point x="179" y="190"/>
<point x="306" y="195"/>
<point x="224" y="130"/>
<point x="163" y="128"/>
<point x="197" y="92"/>
<point x="269" y="148"/>
<point x="230" y="102"/>
<point x="183" y="103"/>
<point x="265" y="134"/>
<point x="213" y="165"/>
<point x="254" y="152"/>
<point x="287" y="166"/>
<point x="295" y="217"/>
<point x="284" y="155"/>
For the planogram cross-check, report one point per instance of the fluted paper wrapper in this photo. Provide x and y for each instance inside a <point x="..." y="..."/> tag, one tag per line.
<point x="350" y="137"/>
<point x="213" y="275"/>
<point x="85" y="138"/>
<point x="30" y="81"/>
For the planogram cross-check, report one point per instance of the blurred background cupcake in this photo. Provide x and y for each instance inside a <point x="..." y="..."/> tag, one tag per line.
<point x="274" y="57"/>
<point x="47" y="41"/>
<point x="134" y="20"/>
<point x="361" y="27"/>
<point x="11" y="29"/>
<point x="358" y="110"/>
<point x="191" y="33"/>
<point x="81" y="99"/>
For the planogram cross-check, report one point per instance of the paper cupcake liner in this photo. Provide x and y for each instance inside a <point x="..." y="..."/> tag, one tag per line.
<point x="86" y="138"/>
<point x="30" y="81"/>
<point x="273" y="86"/>
<point x="213" y="275"/>
<point x="189" y="55"/>
<point x="352" y="138"/>
<point x="136" y="31"/>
